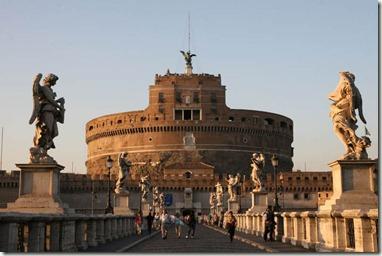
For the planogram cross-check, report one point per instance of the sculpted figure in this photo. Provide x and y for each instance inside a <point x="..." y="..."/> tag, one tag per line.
<point x="258" y="162"/>
<point x="161" y="200"/>
<point x="233" y="183"/>
<point x="219" y="194"/>
<point x="47" y="111"/>
<point x="156" y="201"/>
<point x="346" y="99"/>
<point x="124" y="168"/>
<point x="188" y="57"/>
<point x="212" y="199"/>
<point x="145" y="186"/>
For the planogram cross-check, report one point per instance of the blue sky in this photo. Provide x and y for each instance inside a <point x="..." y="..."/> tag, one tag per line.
<point x="277" y="56"/>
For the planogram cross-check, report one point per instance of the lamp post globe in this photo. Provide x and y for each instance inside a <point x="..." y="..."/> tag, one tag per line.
<point x="109" y="208"/>
<point x="275" y="163"/>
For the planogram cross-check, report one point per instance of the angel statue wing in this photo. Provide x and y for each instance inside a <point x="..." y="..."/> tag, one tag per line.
<point x="36" y="93"/>
<point x="358" y="104"/>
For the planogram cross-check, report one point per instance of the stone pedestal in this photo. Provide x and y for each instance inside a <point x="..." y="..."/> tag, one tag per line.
<point x="353" y="186"/>
<point x="233" y="206"/>
<point x="39" y="190"/>
<point x="259" y="202"/>
<point x="354" y="189"/>
<point x="122" y="206"/>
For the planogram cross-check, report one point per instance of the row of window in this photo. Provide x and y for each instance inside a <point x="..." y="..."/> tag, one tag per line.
<point x="224" y="129"/>
<point x="324" y="178"/>
<point x="195" y="114"/>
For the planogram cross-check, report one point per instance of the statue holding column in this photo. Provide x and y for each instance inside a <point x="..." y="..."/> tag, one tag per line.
<point x="145" y="186"/>
<point x="124" y="168"/>
<point x="258" y="162"/>
<point x="47" y="111"/>
<point x="346" y="99"/>
<point x="219" y="194"/>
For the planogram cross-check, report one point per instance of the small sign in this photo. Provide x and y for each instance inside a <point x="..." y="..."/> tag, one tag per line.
<point x="168" y="199"/>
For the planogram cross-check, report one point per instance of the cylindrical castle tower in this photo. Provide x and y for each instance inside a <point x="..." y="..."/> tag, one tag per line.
<point x="187" y="120"/>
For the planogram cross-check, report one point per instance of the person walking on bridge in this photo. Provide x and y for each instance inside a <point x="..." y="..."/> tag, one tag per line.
<point x="165" y="222"/>
<point x="191" y="223"/>
<point x="231" y="225"/>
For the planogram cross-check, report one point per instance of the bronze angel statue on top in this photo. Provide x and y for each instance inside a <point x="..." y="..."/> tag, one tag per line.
<point x="47" y="111"/>
<point x="346" y="99"/>
<point x="188" y="57"/>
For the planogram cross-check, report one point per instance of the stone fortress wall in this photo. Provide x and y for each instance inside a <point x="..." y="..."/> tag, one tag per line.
<point x="296" y="190"/>
<point x="189" y="112"/>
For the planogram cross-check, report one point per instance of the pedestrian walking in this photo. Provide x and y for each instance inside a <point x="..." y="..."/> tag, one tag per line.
<point x="138" y="223"/>
<point x="178" y="225"/>
<point x="149" y="219"/>
<point x="231" y="225"/>
<point x="269" y="224"/>
<point x="156" y="222"/>
<point x="191" y="223"/>
<point x="165" y="222"/>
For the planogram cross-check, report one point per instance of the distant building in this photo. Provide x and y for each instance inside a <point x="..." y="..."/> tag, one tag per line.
<point x="187" y="120"/>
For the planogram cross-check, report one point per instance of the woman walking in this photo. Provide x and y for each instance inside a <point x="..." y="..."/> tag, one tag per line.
<point x="165" y="221"/>
<point x="231" y="225"/>
<point x="178" y="225"/>
<point x="138" y="223"/>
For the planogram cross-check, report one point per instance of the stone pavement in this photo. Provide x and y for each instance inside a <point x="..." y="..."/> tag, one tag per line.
<point x="206" y="240"/>
<point x="121" y="244"/>
<point x="258" y="242"/>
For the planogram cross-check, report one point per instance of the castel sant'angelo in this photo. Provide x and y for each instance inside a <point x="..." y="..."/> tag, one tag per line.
<point x="187" y="124"/>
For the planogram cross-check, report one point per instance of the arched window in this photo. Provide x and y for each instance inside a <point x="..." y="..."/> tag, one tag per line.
<point x="188" y="174"/>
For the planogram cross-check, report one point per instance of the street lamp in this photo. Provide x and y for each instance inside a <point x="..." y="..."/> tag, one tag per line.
<point x="109" y="208"/>
<point x="275" y="163"/>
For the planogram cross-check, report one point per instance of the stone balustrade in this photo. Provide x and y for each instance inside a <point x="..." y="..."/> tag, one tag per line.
<point x="21" y="232"/>
<point x="344" y="231"/>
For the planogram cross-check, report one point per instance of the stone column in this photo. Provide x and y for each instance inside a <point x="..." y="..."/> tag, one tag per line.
<point x="279" y="227"/>
<point x="8" y="237"/>
<point x="55" y="230"/>
<point x="92" y="232"/>
<point x="114" y="228"/>
<point x="81" y="227"/>
<point x="340" y="233"/>
<point x="326" y="233"/>
<point x="100" y="229"/>
<point x="363" y="235"/>
<point x="108" y="229"/>
<point x="311" y="230"/>
<point x="36" y="236"/>
<point x="119" y="227"/>
<point x="68" y="234"/>
<point x="288" y="231"/>
<point x="124" y="227"/>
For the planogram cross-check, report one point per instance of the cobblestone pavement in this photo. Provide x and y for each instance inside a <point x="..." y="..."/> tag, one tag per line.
<point x="257" y="241"/>
<point x="205" y="240"/>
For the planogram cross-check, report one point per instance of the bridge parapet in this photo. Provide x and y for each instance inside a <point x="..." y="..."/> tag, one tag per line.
<point x="350" y="230"/>
<point x="22" y="232"/>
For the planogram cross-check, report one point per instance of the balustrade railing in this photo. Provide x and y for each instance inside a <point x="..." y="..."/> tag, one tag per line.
<point x="76" y="232"/>
<point x="348" y="230"/>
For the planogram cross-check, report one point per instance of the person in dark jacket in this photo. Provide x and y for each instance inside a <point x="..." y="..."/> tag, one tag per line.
<point x="190" y="220"/>
<point x="231" y="225"/>
<point x="269" y="224"/>
<point x="149" y="219"/>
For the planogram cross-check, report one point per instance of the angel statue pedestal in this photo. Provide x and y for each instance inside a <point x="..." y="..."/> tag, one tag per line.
<point x="259" y="202"/>
<point x="122" y="204"/>
<point x="39" y="190"/>
<point x="354" y="186"/>
<point x="234" y="206"/>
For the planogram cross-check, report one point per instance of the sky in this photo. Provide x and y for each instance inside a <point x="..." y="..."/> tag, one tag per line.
<point x="277" y="56"/>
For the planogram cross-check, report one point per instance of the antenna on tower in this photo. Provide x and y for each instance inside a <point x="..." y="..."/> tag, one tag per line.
<point x="189" y="31"/>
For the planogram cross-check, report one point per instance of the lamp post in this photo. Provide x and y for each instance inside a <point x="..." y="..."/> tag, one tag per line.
<point x="275" y="163"/>
<point x="109" y="208"/>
